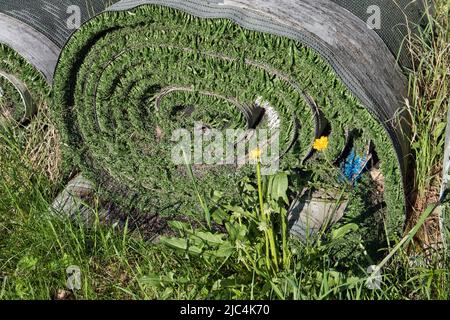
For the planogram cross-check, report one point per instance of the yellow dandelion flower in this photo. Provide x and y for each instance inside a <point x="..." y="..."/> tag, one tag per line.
<point x="321" y="144"/>
<point x="256" y="154"/>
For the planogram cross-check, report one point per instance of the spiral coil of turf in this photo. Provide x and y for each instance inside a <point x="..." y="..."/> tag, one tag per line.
<point x="131" y="76"/>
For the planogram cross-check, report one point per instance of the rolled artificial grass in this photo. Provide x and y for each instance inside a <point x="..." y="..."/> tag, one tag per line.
<point x="22" y="88"/>
<point x="131" y="76"/>
<point x="31" y="37"/>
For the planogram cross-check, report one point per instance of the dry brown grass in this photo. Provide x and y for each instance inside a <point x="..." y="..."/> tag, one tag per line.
<point x="42" y="144"/>
<point x="39" y="142"/>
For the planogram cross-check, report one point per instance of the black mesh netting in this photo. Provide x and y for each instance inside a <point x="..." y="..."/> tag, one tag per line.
<point x="50" y="17"/>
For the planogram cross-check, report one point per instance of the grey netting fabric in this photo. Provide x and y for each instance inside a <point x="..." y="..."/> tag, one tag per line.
<point x="38" y="30"/>
<point x="50" y="17"/>
<point x="396" y="16"/>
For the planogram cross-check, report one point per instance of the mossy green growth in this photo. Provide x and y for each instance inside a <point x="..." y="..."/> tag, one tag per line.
<point x="127" y="80"/>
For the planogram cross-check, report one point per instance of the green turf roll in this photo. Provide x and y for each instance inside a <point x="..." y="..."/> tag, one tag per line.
<point x="22" y="87"/>
<point x="127" y="79"/>
<point x="31" y="37"/>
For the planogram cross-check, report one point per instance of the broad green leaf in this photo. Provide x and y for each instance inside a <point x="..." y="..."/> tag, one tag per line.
<point x="208" y="237"/>
<point x="343" y="231"/>
<point x="176" y="243"/>
<point x="182" y="244"/>
<point x="219" y="216"/>
<point x="277" y="290"/>
<point x="225" y="250"/>
<point x="152" y="280"/>
<point x="279" y="187"/>
<point x="439" y="130"/>
<point x="178" y="225"/>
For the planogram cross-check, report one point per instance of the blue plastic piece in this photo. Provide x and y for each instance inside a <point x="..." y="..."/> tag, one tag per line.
<point x="353" y="167"/>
